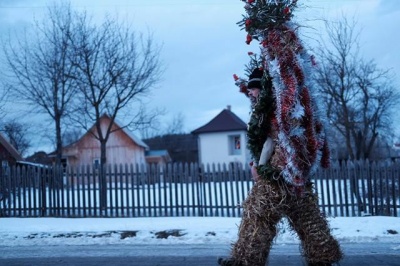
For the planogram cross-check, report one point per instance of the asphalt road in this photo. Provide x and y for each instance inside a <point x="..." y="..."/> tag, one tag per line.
<point x="371" y="254"/>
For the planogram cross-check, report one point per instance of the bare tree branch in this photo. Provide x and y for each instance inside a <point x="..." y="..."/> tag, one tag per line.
<point x="360" y="97"/>
<point x="117" y="67"/>
<point x="17" y="135"/>
<point x="39" y="67"/>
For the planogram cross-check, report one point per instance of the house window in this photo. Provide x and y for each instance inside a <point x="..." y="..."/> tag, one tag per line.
<point x="96" y="163"/>
<point x="235" y="145"/>
<point x="4" y="164"/>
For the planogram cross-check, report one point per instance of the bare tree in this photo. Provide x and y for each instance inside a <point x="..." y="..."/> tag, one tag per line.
<point x="4" y="92"/>
<point x="40" y="68"/>
<point x="160" y="127"/>
<point x="17" y="134"/>
<point x="71" y="136"/>
<point x="176" y="125"/>
<point x="148" y="123"/>
<point x="360" y="98"/>
<point x="116" y="69"/>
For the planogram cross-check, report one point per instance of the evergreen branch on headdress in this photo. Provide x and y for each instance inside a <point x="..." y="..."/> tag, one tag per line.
<point x="265" y="14"/>
<point x="256" y="61"/>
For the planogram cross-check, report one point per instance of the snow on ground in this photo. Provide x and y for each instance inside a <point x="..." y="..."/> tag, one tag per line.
<point x="177" y="230"/>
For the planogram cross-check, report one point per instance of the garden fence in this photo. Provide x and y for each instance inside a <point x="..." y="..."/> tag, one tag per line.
<point x="177" y="189"/>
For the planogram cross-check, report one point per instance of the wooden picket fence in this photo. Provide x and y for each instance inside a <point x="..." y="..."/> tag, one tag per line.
<point x="346" y="189"/>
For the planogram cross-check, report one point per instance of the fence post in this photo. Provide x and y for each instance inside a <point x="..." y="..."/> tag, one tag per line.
<point x="5" y="192"/>
<point x="199" y="188"/>
<point x="393" y="187"/>
<point x="103" y="190"/>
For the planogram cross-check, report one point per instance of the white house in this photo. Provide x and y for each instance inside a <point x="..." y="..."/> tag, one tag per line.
<point x="223" y="140"/>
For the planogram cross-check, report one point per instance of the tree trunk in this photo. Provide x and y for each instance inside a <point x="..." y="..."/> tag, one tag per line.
<point x="103" y="177"/>
<point x="58" y="141"/>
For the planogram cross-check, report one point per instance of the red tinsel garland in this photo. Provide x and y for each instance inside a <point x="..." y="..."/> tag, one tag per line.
<point x="282" y="44"/>
<point x="300" y="134"/>
<point x="308" y="121"/>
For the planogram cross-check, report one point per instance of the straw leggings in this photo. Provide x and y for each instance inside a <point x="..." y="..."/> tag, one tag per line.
<point x="266" y="204"/>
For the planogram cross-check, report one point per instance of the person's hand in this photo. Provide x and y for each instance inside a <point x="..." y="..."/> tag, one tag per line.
<point x="254" y="173"/>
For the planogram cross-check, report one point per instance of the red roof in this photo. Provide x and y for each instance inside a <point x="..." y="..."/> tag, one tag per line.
<point x="224" y="121"/>
<point x="10" y="148"/>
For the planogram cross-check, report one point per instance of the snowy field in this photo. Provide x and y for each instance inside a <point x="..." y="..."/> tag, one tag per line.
<point x="182" y="230"/>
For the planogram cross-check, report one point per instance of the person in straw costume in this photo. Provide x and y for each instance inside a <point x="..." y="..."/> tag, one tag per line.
<point x="286" y="140"/>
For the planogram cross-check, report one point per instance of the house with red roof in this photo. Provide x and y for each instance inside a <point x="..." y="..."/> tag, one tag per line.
<point x="9" y="156"/>
<point x="223" y="140"/>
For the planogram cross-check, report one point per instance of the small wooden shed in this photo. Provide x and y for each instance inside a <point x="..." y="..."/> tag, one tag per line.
<point x="123" y="147"/>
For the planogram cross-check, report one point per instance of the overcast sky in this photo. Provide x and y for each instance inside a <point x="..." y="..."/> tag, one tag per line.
<point x="203" y="47"/>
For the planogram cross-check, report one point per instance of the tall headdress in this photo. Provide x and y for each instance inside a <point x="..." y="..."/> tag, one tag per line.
<point x="300" y="131"/>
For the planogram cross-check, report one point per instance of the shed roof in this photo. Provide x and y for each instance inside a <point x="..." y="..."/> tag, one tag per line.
<point x="157" y="153"/>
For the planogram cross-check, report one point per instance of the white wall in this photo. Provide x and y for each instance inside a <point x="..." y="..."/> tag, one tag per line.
<point x="214" y="148"/>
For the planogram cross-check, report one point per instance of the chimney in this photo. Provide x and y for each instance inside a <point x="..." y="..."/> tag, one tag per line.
<point x="228" y="107"/>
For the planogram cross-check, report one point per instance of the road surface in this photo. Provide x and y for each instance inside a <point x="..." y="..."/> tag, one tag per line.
<point x="371" y="254"/>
